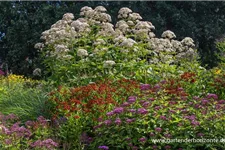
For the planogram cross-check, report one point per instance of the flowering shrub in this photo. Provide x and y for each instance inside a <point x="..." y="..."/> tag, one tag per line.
<point x="33" y="134"/>
<point x="156" y="113"/>
<point x="76" y="109"/>
<point x="90" y="48"/>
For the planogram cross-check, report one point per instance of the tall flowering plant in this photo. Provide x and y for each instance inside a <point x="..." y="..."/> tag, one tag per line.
<point x="89" y="48"/>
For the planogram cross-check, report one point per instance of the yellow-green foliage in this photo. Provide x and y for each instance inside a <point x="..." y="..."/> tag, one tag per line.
<point x="22" y="96"/>
<point x="13" y="81"/>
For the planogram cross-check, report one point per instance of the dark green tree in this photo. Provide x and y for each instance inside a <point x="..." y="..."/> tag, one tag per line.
<point x="21" y="25"/>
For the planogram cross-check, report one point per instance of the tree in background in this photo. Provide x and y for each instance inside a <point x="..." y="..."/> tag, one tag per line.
<point x="22" y="23"/>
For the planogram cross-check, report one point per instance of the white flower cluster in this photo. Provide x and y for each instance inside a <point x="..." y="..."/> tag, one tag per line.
<point x="64" y="31"/>
<point x="124" y="13"/>
<point x="68" y="17"/>
<point x="67" y="29"/>
<point x="130" y="23"/>
<point x="60" y="51"/>
<point x="39" y="46"/>
<point x="128" y="42"/>
<point x="80" y="25"/>
<point x="168" y="34"/>
<point x="82" y="53"/>
<point x="109" y="64"/>
<point x="173" y="50"/>
<point x="61" y="30"/>
<point x="96" y="15"/>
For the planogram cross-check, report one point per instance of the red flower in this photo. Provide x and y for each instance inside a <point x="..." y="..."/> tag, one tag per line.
<point x="76" y="117"/>
<point x="188" y="76"/>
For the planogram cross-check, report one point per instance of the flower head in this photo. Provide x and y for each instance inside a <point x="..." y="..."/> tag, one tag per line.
<point x="158" y="129"/>
<point x="110" y="113"/>
<point x="109" y="64"/>
<point x="118" y="121"/>
<point x="163" y="117"/>
<point x="118" y="110"/>
<point x="103" y="147"/>
<point x="42" y="120"/>
<point x="213" y="96"/>
<point x="187" y="41"/>
<point x="68" y="16"/>
<point x="124" y="12"/>
<point x="125" y="104"/>
<point x="82" y="52"/>
<point x="135" y="16"/>
<point x="131" y="99"/>
<point x="205" y="102"/>
<point x="145" y="104"/>
<point x="142" y="140"/>
<point x="100" y="9"/>
<point x="130" y="120"/>
<point x="142" y="111"/>
<point x="145" y="87"/>
<point x="128" y="42"/>
<point x="107" y="122"/>
<point x="8" y="141"/>
<point x="168" y="34"/>
<point x="195" y="123"/>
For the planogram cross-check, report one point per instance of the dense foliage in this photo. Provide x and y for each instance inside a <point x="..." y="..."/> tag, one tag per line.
<point x="113" y="87"/>
<point x="202" y="21"/>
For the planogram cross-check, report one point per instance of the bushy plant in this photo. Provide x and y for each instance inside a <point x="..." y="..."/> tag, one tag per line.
<point x="31" y="135"/>
<point x="162" y="111"/>
<point x="24" y="97"/>
<point x="75" y="110"/>
<point x="68" y="131"/>
<point x="92" y="99"/>
<point x="91" y="48"/>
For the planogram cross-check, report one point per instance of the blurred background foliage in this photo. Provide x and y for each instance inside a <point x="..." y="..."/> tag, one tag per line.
<point x="22" y="22"/>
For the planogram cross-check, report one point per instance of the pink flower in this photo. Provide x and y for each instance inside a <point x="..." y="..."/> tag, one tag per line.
<point x="107" y="122"/>
<point x="142" y="111"/>
<point x="144" y="87"/>
<point x="118" y="121"/>
<point x="158" y="129"/>
<point x="167" y="147"/>
<point x="142" y="140"/>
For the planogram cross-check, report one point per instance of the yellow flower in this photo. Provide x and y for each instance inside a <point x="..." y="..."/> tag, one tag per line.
<point x="218" y="71"/>
<point x="16" y="78"/>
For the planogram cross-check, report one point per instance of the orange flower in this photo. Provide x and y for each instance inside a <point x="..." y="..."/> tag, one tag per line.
<point x="76" y="117"/>
<point x="188" y="76"/>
